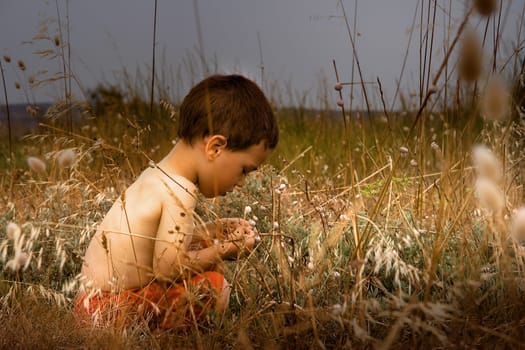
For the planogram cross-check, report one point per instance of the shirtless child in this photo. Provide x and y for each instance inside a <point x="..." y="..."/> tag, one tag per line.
<point x="148" y="254"/>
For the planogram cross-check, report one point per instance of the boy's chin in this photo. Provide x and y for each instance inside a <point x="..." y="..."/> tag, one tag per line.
<point x="215" y="194"/>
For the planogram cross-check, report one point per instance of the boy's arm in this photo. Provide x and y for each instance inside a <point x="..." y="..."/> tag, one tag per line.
<point x="217" y="229"/>
<point x="172" y="257"/>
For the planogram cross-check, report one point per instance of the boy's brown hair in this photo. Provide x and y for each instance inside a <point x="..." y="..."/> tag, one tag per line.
<point x="232" y="106"/>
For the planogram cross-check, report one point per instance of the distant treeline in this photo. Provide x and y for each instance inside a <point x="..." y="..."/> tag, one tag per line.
<point x="23" y="117"/>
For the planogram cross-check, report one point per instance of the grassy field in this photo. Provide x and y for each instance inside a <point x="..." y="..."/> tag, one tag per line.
<point x="380" y="228"/>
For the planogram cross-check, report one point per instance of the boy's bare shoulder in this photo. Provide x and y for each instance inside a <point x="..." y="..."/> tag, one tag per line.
<point x="148" y="183"/>
<point x="154" y="183"/>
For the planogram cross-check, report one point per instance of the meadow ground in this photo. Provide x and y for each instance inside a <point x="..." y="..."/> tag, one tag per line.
<point x="379" y="228"/>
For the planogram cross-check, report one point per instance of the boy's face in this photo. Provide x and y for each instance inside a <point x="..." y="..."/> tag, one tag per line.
<point x="229" y="169"/>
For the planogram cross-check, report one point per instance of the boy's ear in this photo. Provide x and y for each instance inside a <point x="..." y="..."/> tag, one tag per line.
<point x="214" y="145"/>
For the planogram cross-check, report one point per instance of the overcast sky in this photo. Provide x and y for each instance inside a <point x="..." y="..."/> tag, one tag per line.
<point x="299" y="40"/>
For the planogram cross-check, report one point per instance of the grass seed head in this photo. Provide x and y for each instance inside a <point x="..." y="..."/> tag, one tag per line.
<point x="18" y="261"/>
<point x="7" y="58"/>
<point x="490" y="196"/>
<point x="470" y="58"/>
<point x="495" y="101"/>
<point x="66" y="157"/>
<point x="485" y="7"/>
<point x="36" y="164"/>
<point x="21" y="65"/>
<point x="13" y="231"/>
<point x="518" y="224"/>
<point x="486" y="163"/>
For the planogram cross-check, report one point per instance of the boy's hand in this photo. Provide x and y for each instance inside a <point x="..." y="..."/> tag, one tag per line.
<point x="244" y="239"/>
<point x="240" y="236"/>
<point x="229" y="225"/>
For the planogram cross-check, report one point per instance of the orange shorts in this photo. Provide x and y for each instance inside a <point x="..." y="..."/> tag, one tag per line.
<point x="162" y="306"/>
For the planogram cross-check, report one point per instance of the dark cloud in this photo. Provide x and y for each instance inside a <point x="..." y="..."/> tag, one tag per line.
<point x="299" y="39"/>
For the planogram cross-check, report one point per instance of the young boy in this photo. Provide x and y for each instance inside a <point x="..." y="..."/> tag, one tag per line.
<point x="148" y="256"/>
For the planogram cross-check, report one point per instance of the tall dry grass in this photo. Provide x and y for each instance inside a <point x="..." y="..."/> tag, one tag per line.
<point x="398" y="229"/>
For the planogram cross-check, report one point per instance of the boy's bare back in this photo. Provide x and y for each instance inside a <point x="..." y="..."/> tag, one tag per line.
<point x="155" y="207"/>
